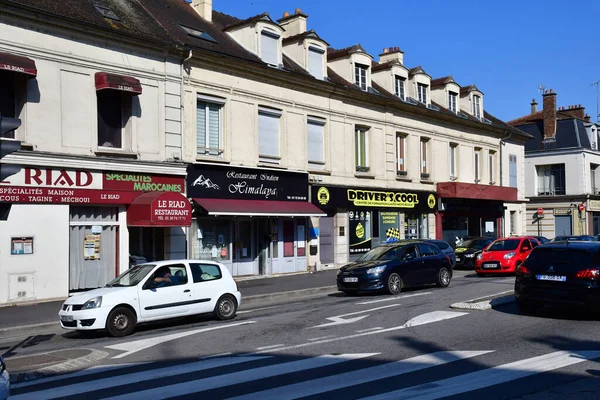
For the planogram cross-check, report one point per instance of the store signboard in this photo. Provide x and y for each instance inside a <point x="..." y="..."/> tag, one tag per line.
<point x="360" y="231"/>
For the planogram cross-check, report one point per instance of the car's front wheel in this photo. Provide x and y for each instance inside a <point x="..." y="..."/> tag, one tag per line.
<point x="394" y="284"/>
<point x="121" y="322"/>
<point x="226" y="307"/>
<point x="444" y="277"/>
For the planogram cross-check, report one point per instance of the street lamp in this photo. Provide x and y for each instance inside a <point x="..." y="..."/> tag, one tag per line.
<point x="597" y="93"/>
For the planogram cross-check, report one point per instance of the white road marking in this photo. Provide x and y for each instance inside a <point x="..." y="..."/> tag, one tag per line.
<point x="270" y="347"/>
<point x="126" y="379"/>
<point x="370" y="329"/>
<point x="321" y="338"/>
<point x="256" y="309"/>
<point x="339" y="320"/>
<point x="491" y="295"/>
<point x="216" y="355"/>
<point x="361" y="376"/>
<point x="234" y="378"/>
<point x="142" y="344"/>
<point x="392" y="298"/>
<point x="420" y="320"/>
<point x="491" y="376"/>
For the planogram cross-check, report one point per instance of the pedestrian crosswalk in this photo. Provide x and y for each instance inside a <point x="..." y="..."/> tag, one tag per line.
<point x="371" y="376"/>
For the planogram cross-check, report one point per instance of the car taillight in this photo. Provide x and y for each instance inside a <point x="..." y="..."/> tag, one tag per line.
<point x="523" y="270"/>
<point x="590" y="273"/>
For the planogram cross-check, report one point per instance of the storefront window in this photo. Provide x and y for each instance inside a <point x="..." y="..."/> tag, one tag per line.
<point x="211" y="239"/>
<point x="360" y="231"/>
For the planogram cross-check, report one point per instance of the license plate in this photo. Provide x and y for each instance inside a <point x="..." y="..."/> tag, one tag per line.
<point x="555" y="278"/>
<point x="350" y="279"/>
<point x="488" y="265"/>
<point x="458" y="259"/>
<point x="66" y="318"/>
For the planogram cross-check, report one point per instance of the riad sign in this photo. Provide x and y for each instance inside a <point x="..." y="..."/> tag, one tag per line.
<point x="328" y="197"/>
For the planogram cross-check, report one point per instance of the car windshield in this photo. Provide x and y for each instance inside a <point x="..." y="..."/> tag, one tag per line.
<point x="504" y="245"/>
<point x="132" y="276"/>
<point x="379" y="253"/>
<point x="476" y="244"/>
<point x="548" y="256"/>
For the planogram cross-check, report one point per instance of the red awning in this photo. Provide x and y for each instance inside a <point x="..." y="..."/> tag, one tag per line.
<point x="118" y="82"/>
<point x="454" y="190"/>
<point x="20" y="64"/>
<point x="266" y="208"/>
<point x="160" y="209"/>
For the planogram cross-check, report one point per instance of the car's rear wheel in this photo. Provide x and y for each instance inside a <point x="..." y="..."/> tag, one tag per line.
<point x="444" y="277"/>
<point x="226" y="307"/>
<point x="394" y="284"/>
<point x="121" y="322"/>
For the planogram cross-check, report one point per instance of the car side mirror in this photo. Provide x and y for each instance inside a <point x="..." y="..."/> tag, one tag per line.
<point x="526" y="248"/>
<point x="409" y="257"/>
<point x="150" y="284"/>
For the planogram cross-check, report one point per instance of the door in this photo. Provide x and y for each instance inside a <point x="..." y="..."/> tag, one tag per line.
<point x="243" y="257"/>
<point x="562" y="225"/>
<point x="206" y="280"/>
<point x="289" y="246"/>
<point x="166" y="299"/>
<point x="326" y="240"/>
<point x="410" y="266"/>
<point x="430" y="263"/>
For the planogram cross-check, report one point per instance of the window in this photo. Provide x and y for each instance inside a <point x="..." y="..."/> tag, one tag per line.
<point x="399" y="87"/>
<point x="492" y="167"/>
<point x="316" y="142"/>
<point x="428" y="250"/>
<point x="452" y="160"/>
<point x="513" y="222"/>
<point x="315" y="61"/>
<point x="512" y="170"/>
<point x="424" y="158"/>
<point x="477" y="107"/>
<point x="361" y="145"/>
<point x="114" y="114"/>
<point x="422" y="93"/>
<point x="452" y="101"/>
<point x="400" y="154"/>
<point x="269" y="44"/>
<point x="9" y="84"/>
<point x="551" y="179"/>
<point x="178" y="276"/>
<point x="205" y="272"/>
<point x="360" y="76"/>
<point x="477" y="164"/>
<point x="268" y="134"/>
<point x="209" y="127"/>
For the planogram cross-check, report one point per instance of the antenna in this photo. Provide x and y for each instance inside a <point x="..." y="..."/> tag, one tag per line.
<point x="597" y="93"/>
<point x="541" y="88"/>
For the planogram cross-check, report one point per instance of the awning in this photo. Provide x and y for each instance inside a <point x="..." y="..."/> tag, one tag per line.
<point x="20" y="64"/>
<point x="265" y="208"/>
<point x="160" y="209"/>
<point x="473" y="191"/>
<point x="118" y="82"/>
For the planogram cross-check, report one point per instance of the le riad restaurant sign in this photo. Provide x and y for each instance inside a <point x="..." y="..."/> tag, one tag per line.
<point x="207" y="181"/>
<point x="328" y="197"/>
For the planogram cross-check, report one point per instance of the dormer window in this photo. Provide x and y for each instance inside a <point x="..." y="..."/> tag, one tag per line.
<point x="269" y="45"/>
<point x="316" y="56"/>
<point x="360" y="76"/>
<point x="422" y="93"/>
<point x="477" y="106"/>
<point x="399" y="87"/>
<point x="452" y="98"/>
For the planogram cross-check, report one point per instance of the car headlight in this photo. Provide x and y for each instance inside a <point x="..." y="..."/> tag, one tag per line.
<point x="96" y="302"/>
<point x="479" y="256"/>
<point x="469" y="255"/>
<point x="510" y="255"/>
<point x="2" y="365"/>
<point x="376" y="270"/>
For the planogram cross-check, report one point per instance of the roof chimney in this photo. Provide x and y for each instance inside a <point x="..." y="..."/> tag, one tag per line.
<point x="392" y="54"/>
<point x="203" y="8"/>
<point x="293" y="24"/>
<point x="575" y="111"/>
<point x="587" y="118"/>
<point x="533" y="106"/>
<point x="549" y="102"/>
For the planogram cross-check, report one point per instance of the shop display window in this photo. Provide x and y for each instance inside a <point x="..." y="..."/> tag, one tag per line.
<point x="211" y="239"/>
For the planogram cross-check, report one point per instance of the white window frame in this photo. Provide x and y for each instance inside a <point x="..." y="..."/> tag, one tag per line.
<point x="477" y="165"/>
<point x="313" y="70"/>
<point x="422" y="93"/>
<point x="401" y="141"/>
<point x="452" y="101"/>
<point x="316" y="164"/>
<point x="400" y="87"/>
<point x="221" y="103"/>
<point x="492" y="167"/>
<point x="271" y="112"/>
<point x="361" y="165"/>
<point x="512" y="160"/>
<point x="452" y="159"/>
<point x="424" y="155"/>
<point x="477" y="106"/>
<point x="360" y="73"/>
<point x="272" y="35"/>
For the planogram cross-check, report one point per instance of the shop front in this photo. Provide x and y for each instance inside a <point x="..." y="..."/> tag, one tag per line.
<point x="253" y="220"/>
<point x="71" y="230"/>
<point x="471" y="210"/>
<point x="359" y="219"/>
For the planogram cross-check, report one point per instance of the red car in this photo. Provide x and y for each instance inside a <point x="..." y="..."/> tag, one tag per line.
<point x="504" y="255"/>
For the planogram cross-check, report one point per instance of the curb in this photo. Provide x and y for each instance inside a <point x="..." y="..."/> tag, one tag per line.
<point x="248" y="300"/>
<point x="495" y="300"/>
<point x="73" y="365"/>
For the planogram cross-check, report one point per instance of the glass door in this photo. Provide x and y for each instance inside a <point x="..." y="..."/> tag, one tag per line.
<point x="243" y="261"/>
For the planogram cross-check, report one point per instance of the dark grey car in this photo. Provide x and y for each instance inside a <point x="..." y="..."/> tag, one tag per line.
<point x="445" y="248"/>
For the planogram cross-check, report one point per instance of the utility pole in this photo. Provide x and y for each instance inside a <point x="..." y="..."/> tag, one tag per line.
<point x="597" y="93"/>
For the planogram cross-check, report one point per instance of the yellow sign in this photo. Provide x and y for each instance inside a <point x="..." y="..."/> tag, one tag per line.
<point x="431" y="201"/>
<point x="360" y="231"/>
<point x="323" y="195"/>
<point x="382" y="199"/>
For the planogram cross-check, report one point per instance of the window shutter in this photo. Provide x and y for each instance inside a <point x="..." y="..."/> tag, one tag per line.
<point x="201" y="127"/>
<point x="315" y="142"/>
<point x="214" y="128"/>
<point x="269" y="49"/>
<point x="315" y="62"/>
<point x="513" y="170"/>
<point x="268" y="140"/>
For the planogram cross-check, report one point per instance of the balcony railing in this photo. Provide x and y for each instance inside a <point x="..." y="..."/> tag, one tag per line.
<point x="556" y="191"/>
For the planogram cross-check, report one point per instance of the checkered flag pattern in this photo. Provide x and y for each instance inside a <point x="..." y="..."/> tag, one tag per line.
<point x="393" y="233"/>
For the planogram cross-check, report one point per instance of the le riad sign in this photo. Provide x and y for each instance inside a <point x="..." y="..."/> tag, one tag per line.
<point x="208" y="181"/>
<point x="405" y="200"/>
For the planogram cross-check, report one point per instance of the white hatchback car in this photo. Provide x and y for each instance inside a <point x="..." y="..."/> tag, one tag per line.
<point x="151" y="292"/>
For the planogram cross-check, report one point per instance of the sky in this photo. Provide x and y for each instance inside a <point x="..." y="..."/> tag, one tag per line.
<point x="507" y="48"/>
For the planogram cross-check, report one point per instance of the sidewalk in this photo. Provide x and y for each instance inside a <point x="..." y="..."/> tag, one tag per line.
<point x="253" y="289"/>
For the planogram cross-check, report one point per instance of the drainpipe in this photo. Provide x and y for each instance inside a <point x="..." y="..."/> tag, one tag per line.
<point x="502" y="143"/>
<point x="182" y="124"/>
